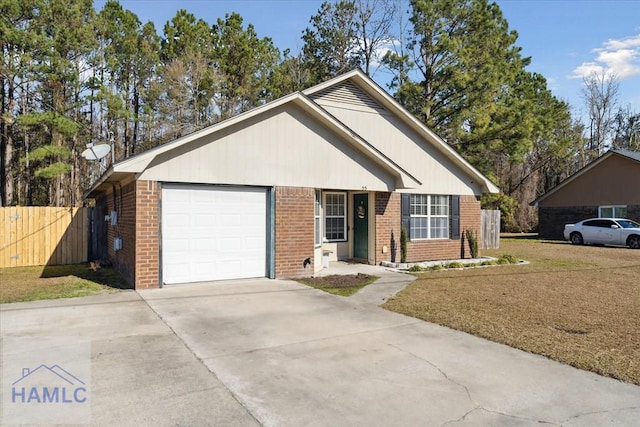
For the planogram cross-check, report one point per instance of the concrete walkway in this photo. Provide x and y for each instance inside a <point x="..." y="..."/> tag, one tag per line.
<point x="276" y="353"/>
<point x="390" y="281"/>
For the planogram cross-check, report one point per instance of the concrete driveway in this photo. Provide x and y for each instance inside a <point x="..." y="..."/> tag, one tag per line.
<point x="273" y="352"/>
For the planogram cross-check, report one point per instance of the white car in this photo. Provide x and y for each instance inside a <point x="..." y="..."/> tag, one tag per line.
<point x="604" y="231"/>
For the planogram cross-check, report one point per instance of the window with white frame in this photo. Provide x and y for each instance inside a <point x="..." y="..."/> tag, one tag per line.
<point x="429" y="217"/>
<point x="317" y="219"/>
<point x="335" y="216"/>
<point x="612" y="212"/>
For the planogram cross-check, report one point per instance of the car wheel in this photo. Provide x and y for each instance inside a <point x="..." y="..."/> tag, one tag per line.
<point x="634" y="242"/>
<point x="576" y="238"/>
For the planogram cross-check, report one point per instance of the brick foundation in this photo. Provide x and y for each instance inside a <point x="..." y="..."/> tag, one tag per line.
<point x="294" y="231"/>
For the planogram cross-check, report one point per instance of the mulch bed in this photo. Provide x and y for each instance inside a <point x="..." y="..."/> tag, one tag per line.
<point x="338" y="281"/>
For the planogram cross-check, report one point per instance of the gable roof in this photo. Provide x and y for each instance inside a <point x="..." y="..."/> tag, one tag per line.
<point x="137" y="164"/>
<point x="371" y="88"/>
<point x="632" y="155"/>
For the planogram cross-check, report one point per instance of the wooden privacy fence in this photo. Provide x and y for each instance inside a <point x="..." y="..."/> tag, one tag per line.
<point x="490" y="229"/>
<point x="43" y="236"/>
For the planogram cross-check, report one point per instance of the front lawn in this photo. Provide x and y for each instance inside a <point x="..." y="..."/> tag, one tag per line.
<point x="579" y="305"/>
<point x="58" y="281"/>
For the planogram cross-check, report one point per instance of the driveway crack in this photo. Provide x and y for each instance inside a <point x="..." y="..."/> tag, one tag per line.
<point x="477" y="405"/>
<point x="606" y="411"/>
<point x="441" y="371"/>
<point x="502" y="414"/>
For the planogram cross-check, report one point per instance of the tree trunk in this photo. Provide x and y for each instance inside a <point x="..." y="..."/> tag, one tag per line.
<point x="8" y="173"/>
<point x="136" y="119"/>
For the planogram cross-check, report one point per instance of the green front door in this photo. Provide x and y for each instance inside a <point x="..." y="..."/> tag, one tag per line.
<point x="361" y="226"/>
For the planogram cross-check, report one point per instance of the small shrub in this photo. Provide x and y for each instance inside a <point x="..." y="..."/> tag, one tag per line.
<point x="508" y="259"/>
<point x="416" y="268"/>
<point x="472" y="238"/>
<point x="403" y="244"/>
<point x="454" y="264"/>
<point x="436" y="267"/>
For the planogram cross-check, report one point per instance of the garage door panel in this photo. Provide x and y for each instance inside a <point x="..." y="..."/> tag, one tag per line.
<point x="213" y="233"/>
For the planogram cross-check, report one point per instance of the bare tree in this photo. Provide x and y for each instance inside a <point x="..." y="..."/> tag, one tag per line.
<point x="626" y="130"/>
<point x="374" y="21"/>
<point x="601" y="97"/>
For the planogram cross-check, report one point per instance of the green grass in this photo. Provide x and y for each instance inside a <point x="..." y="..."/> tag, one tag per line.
<point x="343" y="285"/>
<point x="20" y="284"/>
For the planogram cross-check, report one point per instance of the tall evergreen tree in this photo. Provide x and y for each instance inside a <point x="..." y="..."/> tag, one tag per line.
<point x="464" y="77"/>
<point x="330" y="44"/>
<point x="17" y="39"/>
<point x="245" y="63"/>
<point x="66" y="37"/>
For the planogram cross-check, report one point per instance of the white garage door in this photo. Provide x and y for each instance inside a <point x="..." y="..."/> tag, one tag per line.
<point x="213" y="233"/>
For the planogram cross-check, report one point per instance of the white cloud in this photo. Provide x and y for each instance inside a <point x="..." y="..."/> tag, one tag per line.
<point x="586" y="69"/>
<point x="618" y="57"/>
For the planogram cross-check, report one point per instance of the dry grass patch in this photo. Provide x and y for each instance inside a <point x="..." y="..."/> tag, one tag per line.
<point x="579" y="305"/>
<point x="59" y="281"/>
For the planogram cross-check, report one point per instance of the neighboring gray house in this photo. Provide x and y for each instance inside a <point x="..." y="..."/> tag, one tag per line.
<point x="607" y="187"/>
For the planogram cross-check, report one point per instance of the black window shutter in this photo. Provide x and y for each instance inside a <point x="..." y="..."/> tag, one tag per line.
<point x="455" y="217"/>
<point x="405" y="209"/>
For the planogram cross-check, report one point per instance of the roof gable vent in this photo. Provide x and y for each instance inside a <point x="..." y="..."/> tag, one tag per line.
<point x="349" y="95"/>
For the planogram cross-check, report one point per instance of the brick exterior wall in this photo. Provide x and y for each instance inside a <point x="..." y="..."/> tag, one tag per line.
<point x="470" y="218"/>
<point x="388" y="223"/>
<point x="121" y="200"/>
<point x="551" y="220"/>
<point x="433" y="250"/>
<point x="138" y="226"/>
<point x="294" y="231"/>
<point x="147" y="235"/>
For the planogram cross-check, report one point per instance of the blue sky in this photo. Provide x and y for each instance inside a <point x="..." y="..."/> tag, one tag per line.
<point x="566" y="39"/>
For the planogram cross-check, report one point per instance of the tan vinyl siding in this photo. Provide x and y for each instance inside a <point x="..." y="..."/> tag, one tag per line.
<point x="283" y="147"/>
<point x="389" y="134"/>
